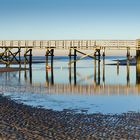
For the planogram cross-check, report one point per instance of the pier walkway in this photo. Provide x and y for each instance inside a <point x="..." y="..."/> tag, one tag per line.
<point x="10" y="50"/>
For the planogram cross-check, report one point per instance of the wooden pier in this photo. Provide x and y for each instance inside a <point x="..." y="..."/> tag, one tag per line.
<point x="10" y="50"/>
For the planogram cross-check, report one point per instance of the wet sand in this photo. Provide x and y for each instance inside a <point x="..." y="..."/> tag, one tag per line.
<point x="22" y="122"/>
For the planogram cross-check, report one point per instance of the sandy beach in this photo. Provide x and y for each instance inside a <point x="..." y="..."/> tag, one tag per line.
<point x="18" y="122"/>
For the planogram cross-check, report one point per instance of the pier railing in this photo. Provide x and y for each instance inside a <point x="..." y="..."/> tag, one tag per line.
<point x="68" y="44"/>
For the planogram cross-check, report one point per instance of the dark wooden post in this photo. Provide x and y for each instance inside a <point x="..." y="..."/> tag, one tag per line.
<point x="30" y="65"/>
<point x="70" y="66"/>
<point x="30" y="59"/>
<point x="19" y="50"/>
<point x="52" y="75"/>
<point x="75" y="67"/>
<point x="47" y="77"/>
<point x="98" y="69"/>
<point x="128" y="67"/>
<point x="128" y="53"/>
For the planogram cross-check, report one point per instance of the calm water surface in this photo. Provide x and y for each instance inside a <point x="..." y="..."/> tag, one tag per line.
<point x="96" y="90"/>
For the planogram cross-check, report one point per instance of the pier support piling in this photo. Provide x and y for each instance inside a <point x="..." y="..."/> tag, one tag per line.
<point x="30" y="59"/>
<point x="99" y="70"/>
<point x="128" y="53"/>
<point x="49" y="53"/>
<point x="75" y="66"/>
<point x="69" y="66"/>
<point x="128" y="67"/>
<point x="47" y="77"/>
<point x="117" y="67"/>
<point x="52" y="74"/>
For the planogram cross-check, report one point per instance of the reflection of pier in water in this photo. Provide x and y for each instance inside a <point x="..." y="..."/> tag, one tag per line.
<point x="73" y="87"/>
<point x="97" y="87"/>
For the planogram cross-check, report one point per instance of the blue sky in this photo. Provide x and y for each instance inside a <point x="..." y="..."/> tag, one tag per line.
<point x="69" y="19"/>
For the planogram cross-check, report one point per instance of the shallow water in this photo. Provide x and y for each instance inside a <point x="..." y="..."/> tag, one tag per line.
<point x="106" y="89"/>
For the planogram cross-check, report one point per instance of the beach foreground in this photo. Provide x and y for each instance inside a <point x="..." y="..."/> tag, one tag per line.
<point x="18" y="122"/>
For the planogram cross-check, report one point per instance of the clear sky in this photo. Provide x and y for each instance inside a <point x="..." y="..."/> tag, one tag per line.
<point x="69" y="19"/>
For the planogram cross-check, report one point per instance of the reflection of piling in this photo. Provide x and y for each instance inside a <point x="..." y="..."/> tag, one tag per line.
<point x="103" y="65"/>
<point x="30" y="74"/>
<point x="70" y="73"/>
<point x="25" y="75"/>
<point x="103" y="52"/>
<point x="97" y="53"/>
<point x="52" y="76"/>
<point x="19" y="79"/>
<point x="128" y="71"/>
<point x="103" y="68"/>
<point x="117" y="67"/>
<point x="128" y="66"/>
<point x="74" y="63"/>
<point x="47" y="77"/>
